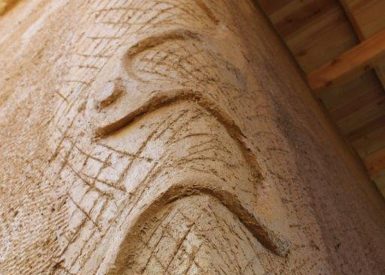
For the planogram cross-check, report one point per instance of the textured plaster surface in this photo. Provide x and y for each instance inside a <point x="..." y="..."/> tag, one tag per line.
<point x="170" y="136"/>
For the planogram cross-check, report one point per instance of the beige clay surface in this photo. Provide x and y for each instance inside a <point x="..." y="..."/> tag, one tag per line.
<point x="170" y="137"/>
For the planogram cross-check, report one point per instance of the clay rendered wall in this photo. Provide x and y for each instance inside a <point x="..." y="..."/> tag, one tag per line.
<point x="170" y="137"/>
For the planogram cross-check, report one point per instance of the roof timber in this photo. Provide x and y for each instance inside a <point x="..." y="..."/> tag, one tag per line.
<point x="317" y="31"/>
<point x="375" y="162"/>
<point x="349" y="64"/>
<point x="361" y="15"/>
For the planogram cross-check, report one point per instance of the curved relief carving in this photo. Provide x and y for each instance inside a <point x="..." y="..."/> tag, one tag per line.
<point x="162" y="99"/>
<point x="202" y="159"/>
<point x="171" y="183"/>
<point x="149" y="99"/>
<point x="152" y="42"/>
<point x="191" y="233"/>
<point x="166" y="135"/>
<point x="111" y="92"/>
<point x="178" y="191"/>
<point x="174" y="174"/>
<point x="162" y="117"/>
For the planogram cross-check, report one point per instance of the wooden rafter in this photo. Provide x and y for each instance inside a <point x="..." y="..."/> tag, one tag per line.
<point x="350" y="63"/>
<point x="375" y="162"/>
<point x="362" y="33"/>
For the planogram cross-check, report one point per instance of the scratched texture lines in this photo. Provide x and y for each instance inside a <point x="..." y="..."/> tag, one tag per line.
<point x="96" y="195"/>
<point x="177" y="62"/>
<point x="207" y="154"/>
<point x="100" y="184"/>
<point x="187" y="240"/>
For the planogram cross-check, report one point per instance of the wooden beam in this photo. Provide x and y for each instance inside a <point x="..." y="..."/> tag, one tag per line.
<point x="349" y="64"/>
<point x="366" y="24"/>
<point x="352" y="19"/>
<point x="375" y="163"/>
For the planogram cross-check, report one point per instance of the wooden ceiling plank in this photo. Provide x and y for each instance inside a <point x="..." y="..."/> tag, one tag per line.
<point x="353" y="21"/>
<point x="353" y="62"/>
<point x="375" y="162"/>
<point x="366" y="17"/>
<point x="359" y="22"/>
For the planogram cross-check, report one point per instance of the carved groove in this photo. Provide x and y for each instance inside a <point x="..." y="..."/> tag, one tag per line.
<point x="177" y="192"/>
<point x="116" y="90"/>
<point x="152" y="42"/>
<point x="163" y="99"/>
<point x="265" y="236"/>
